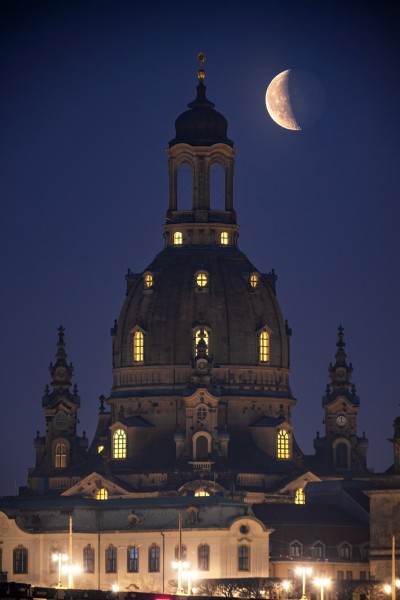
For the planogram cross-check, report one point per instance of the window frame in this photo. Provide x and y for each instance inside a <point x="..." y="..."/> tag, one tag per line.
<point x="264" y="347"/>
<point x="154" y="559"/>
<point x="203" y="557"/>
<point x="119" y="449"/>
<point x="61" y="449"/>
<point x="111" y="562"/>
<point x="132" y="559"/>
<point x="177" y="238"/>
<point x="20" y="560"/>
<point x="244" y="558"/>
<point x="138" y="346"/>
<point x="283" y="439"/>
<point x="224" y="238"/>
<point x="88" y="559"/>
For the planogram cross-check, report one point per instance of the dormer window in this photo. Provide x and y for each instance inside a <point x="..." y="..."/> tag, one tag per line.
<point x="201" y="339"/>
<point x="177" y="238"/>
<point x="300" y="497"/>
<point x="264" y="347"/>
<point x="119" y="444"/>
<point x="224" y="238"/>
<point x="148" y="281"/>
<point x="138" y="347"/>
<point x="60" y="455"/>
<point x="283" y="444"/>
<point x="254" y="280"/>
<point x="102" y="494"/>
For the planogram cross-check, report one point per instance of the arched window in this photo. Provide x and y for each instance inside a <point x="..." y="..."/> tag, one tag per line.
<point x="111" y="559"/>
<point x="300" y="497"/>
<point x="132" y="557"/>
<point x="201" y="447"/>
<point x="20" y="560"/>
<point x="264" y="347"/>
<point x="244" y="558"/>
<point x="342" y="456"/>
<point x="201" y="492"/>
<point x="217" y="186"/>
<point x="283" y="444"/>
<point x="119" y="444"/>
<point x="138" y="346"/>
<point x="88" y="559"/>
<point x="148" y="281"/>
<point x="201" y="279"/>
<point x="154" y="558"/>
<point x="254" y="280"/>
<point x="224" y="238"/>
<point x="60" y="457"/>
<point x="178" y="238"/>
<point x="203" y="557"/>
<point x="102" y="494"/>
<point x="201" y="334"/>
<point x="183" y="552"/>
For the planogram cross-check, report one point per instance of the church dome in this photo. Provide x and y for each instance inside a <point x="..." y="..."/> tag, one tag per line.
<point x="202" y="125"/>
<point x="233" y="306"/>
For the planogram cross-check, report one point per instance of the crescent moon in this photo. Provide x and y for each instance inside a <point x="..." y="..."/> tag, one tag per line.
<point x="294" y="99"/>
<point x="277" y="100"/>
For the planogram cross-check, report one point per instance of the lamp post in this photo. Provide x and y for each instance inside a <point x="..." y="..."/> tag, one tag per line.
<point x="322" y="583"/>
<point x="286" y="587"/>
<point x="59" y="557"/>
<point x="191" y="575"/>
<point x="304" y="571"/>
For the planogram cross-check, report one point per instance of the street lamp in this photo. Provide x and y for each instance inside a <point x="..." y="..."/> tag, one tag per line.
<point x="322" y="583"/>
<point x="286" y="586"/>
<point x="59" y="557"/>
<point x="190" y="575"/>
<point x="304" y="571"/>
<point x="180" y="566"/>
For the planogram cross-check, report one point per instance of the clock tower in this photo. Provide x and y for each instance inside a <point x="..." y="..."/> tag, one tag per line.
<point x="341" y="448"/>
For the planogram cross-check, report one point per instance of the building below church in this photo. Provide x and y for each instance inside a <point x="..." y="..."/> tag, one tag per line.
<point x="195" y="458"/>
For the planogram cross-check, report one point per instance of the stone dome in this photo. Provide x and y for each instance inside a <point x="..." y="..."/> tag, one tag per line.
<point x="228" y="307"/>
<point x="201" y="125"/>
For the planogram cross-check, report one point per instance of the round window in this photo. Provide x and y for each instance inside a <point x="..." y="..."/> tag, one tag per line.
<point x="244" y="529"/>
<point x="202" y="413"/>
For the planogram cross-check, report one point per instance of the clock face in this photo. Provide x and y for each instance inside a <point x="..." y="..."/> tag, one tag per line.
<point x="60" y="372"/>
<point x="202" y="364"/>
<point x="341" y="420"/>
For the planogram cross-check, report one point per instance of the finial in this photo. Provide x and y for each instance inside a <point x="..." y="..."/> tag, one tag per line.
<point x="75" y="390"/>
<point x="340" y="342"/>
<point x="61" y="331"/>
<point x="201" y="73"/>
<point x="101" y="398"/>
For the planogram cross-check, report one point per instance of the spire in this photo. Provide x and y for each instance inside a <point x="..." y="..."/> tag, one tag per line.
<point x="201" y="74"/>
<point x="340" y="374"/>
<point x="61" y="375"/>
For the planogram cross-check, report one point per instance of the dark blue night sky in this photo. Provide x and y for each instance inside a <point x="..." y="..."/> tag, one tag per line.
<point x="90" y="93"/>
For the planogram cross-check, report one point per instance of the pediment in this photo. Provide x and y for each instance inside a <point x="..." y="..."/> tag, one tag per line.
<point x="90" y="485"/>
<point x="299" y="482"/>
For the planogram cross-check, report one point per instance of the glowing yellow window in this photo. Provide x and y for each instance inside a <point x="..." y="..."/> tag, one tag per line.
<point x="201" y="334"/>
<point x="102" y="494"/>
<point x="148" y="281"/>
<point x="177" y="238"/>
<point x="100" y="449"/>
<point x="201" y="279"/>
<point x="283" y="443"/>
<point x="138" y="346"/>
<point x="264" y="346"/>
<point x="201" y="492"/>
<point x="224" y="238"/>
<point x="60" y="455"/>
<point x="300" y="497"/>
<point x="254" y="280"/>
<point x="119" y="444"/>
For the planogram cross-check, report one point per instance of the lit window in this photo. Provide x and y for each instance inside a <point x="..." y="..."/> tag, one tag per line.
<point x="177" y="238"/>
<point x="201" y="279"/>
<point x="148" y="281"/>
<point x="154" y="559"/>
<point x="283" y="444"/>
<point x="264" y="346"/>
<point x="132" y="556"/>
<point x="300" y="497"/>
<point x="60" y="461"/>
<point x="138" y="346"/>
<point x="244" y="558"/>
<point x="224" y="238"/>
<point x="201" y="492"/>
<point x="102" y="494"/>
<point x="88" y="559"/>
<point x="254" y="279"/>
<point x="111" y="559"/>
<point x="100" y="449"/>
<point x="119" y="444"/>
<point x="203" y="557"/>
<point x="20" y="560"/>
<point x="201" y="334"/>
<point x="183" y="552"/>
